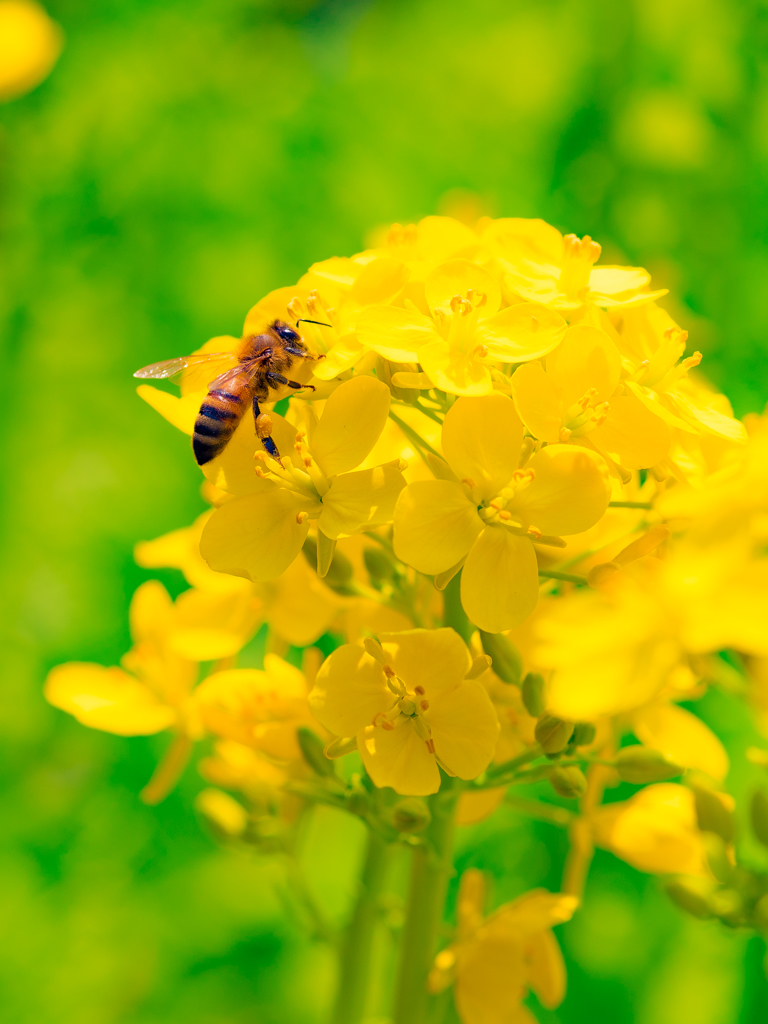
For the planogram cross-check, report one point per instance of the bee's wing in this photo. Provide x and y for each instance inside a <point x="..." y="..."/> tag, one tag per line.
<point x="229" y="375"/>
<point x="173" y="367"/>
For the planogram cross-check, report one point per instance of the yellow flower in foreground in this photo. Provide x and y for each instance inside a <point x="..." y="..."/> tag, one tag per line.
<point x="575" y="396"/>
<point x="495" y="960"/>
<point x="410" y="707"/>
<point x="259" y="533"/>
<point x="30" y="44"/>
<point x="464" y="332"/>
<point x="489" y="512"/>
<point x="150" y="696"/>
<point x="654" y="831"/>
<point x="541" y="265"/>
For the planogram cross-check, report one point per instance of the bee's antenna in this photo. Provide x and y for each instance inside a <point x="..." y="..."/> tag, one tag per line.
<point x="318" y="322"/>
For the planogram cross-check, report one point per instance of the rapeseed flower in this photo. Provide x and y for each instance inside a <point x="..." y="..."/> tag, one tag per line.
<point x="494" y="960"/>
<point x="30" y="44"/>
<point x="260" y="532"/>
<point x="487" y="511"/>
<point x="464" y="333"/>
<point x="412" y="705"/>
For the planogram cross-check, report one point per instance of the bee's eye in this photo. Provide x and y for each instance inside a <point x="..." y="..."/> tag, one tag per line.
<point x="285" y="332"/>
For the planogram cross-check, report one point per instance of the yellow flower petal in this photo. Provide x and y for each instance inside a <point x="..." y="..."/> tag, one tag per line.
<point x="440" y="238"/>
<point x="400" y="759"/>
<point x="464" y="728"/>
<point x="436" y="659"/>
<point x="615" y="281"/>
<point x="360" y="500"/>
<point x="490" y="982"/>
<point x="274" y="306"/>
<point x="30" y="44"/>
<point x="395" y="333"/>
<point x="255" y="536"/>
<point x="234" y="470"/>
<point x="481" y="439"/>
<point x="539" y="401"/>
<point x="521" y="332"/>
<point x="181" y="412"/>
<point x="457" y="277"/>
<point x="350" y="690"/>
<point x="298" y="605"/>
<point x="208" y="626"/>
<point x="631" y="434"/>
<point x="522" y="238"/>
<point x="352" y="420"/>
<point x="546" y="969"/>
<point x="151" y="612"/>
<point x="343" y="354"/>
<point x="435" y="525"/>
<point x="107" y="699"/>
<point x="586" y="358"/>
<point x="454" y="371"/>
<point x="379" y="281"/>
<point x="569" y="493"/>
<point x="500" y="580"/>
<point x="682" y="737"/>
<point x="479" y="804"/>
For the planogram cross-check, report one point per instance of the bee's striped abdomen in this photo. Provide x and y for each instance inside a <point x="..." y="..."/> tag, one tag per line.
<point x="216" y="422"/>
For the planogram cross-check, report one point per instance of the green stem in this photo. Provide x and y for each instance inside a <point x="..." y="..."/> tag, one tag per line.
<point x="431" y="868"/>
<point x="453" y="611"/>
<point x="355" y="954"/>
<point x="550" y="574"/>
<point x="412" y="436"/>
<point x="629" y="504"/>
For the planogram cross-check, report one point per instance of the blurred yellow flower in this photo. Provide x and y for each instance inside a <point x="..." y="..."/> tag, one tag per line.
<point x="654" y="831"/>
<point x="487" y="512"/>
<point x="410" y="707"/>
<point x="30" y="44"/>
<point x="496" y="959"/>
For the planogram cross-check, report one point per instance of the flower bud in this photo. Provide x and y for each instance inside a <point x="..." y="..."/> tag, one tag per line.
<point x="385" y="370"/>
<point x="226" y="818"/>
<point x="691" y="895"/>
<point x="713" y="813"/>
<point x="583" y="734"/>
<point x="379" y="567"/>
<point x="411" y="815"/>
<point x="759" y="815"/>
<point x="312" y="749"/>
<point x="340" y="571"/>
<point x="717" y="857"/>
<point x="534" y="697"/>
<point x="728" y="905"/>
<point x="638" y="764"/>
<point x="552" y="733"/>
<point x="507" y="663"/>
<point x="761" y="913"/>
<point x="569" y="781"/>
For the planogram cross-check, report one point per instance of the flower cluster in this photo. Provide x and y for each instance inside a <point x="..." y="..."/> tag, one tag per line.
<point x="509" y="533"/>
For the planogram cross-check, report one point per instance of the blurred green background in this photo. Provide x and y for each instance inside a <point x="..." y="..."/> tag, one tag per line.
<point x="182" y="160"/>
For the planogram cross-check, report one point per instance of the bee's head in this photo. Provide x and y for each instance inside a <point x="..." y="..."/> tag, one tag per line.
<point x="286" y="332"/>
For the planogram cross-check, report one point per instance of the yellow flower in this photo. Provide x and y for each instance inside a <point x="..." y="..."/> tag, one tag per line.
<point x="262" y="709"/>
<point x="410" y="707"/>
<point x="488" y="512"/>
<point x="464" y="333"/>
<point x="151" y="695"/>
<point x="495" y="960"/>
<point x="575" y="396"/>
<point x="539" y="264"/>
<point x="654" y="831"/>
<point x="260" y="532"/>
<point x="682" y="737"/>
<point x="30" y="44"/>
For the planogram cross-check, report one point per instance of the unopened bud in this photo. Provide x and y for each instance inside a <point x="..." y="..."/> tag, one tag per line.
<point x="638" y="764"/>
<point x="570" y="781"/>
<point x="411" y="815"/>
<point x="759" y="815"/>
<point x="713" y="813"/>
<point x="691" y="895"/>
<point x="761" y="913"/>
<point x="340" y="746"/>
<point x="583" y="734"/>
<point x="507" y="663"/>
<point x="553" y="734"/>
<point x="534" y="696"/>
<point x="717" y="857"/>
<point x="385" y="371"/>
<point x="312" y="748"/>
<point x="340" y="570"/>
<point x="728" y="905"/>
<point x="226" y="818"/>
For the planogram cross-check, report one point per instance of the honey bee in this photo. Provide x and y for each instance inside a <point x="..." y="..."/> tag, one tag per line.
<point x="262" y="361"/>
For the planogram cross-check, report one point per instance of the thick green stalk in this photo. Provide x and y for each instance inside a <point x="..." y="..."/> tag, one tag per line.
<point x="430" y="871"/>
<point x="355" y="954"/>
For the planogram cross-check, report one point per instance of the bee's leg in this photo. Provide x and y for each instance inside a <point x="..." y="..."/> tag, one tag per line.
<point x="277" y="378"/>
<point x="263" y="423"/>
